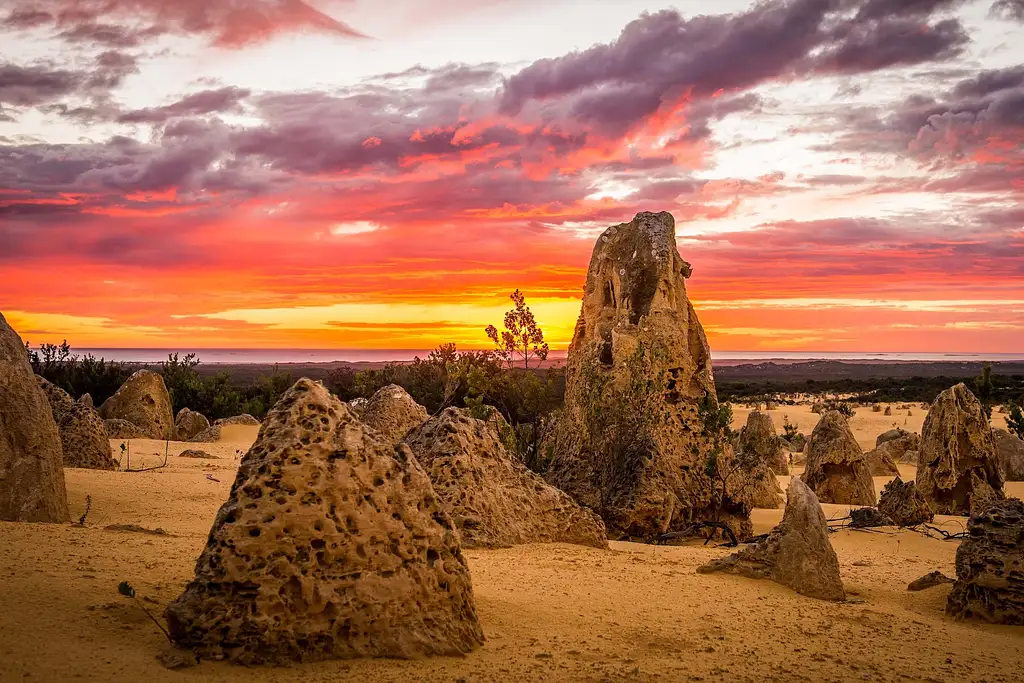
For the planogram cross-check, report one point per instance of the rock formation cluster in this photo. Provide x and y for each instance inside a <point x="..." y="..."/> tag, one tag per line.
<point x="957" y="459"/>
<point x="990" y="566"/>
<point x="637" y="428"/>
<point x="492" y="497"/>
<point x="836" y="470"/>
<point x="31" y="473"/>
<point x="142" y="400"/>
<point x="796" y="553"/>
<point x="332" y="544"/>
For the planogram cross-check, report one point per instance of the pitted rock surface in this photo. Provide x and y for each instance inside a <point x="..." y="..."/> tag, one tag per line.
<point x="358" y="406"/>
<point x="142" y="400"/>
<point x="629" y="442"/>
<point x="758" y="437"/>
<point x="836" y="470"/>
<point x="957" y="450"/>
<point x="86" y="399"/>
<point x="60" y="401"/>
<point x="332" y="544"/>
<point x="123" y="429"/>
<point x="990" y="567"/>
<point x="188" y="423"/>
<point x="84" y="439"/>
<point x="31" y="476"/>
<point x="1009" y="454"/>
<point x="493" y="498"/>
<point x="796" y="553"/>
<point x="393" y="412"/>
<point x="903" y="504"/>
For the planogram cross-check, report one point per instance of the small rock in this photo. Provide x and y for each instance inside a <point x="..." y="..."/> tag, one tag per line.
<point x="928" y="581"/>
<point x="177" y="658"/>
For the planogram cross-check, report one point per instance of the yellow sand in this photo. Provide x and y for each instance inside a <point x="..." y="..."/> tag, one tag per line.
<point x="550" y="612"/>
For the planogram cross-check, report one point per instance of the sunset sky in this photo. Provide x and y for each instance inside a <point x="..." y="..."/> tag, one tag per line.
<point x="846" y="175"/>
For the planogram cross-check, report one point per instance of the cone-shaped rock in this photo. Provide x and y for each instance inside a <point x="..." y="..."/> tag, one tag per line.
<point x="86" y="399"/>
<point x="763" y="488"/>
<point x="188" y="423"/>
<point x="1009" y="454"/>
<point x="84" y="439"/>
<point x="332" y="544"/>
<point x="758" y="437"/>
<point x="796" y="553"/>
<point x="60" y="401"/>
<point x="836" y="470"/>
<point x="393" y="412"/>
<point x="956" y="450"/>
<point x="492" y="497"/>
<point x="31" y="476"/>
<point x="903" y="504"/>
<point x="989" y="576"/>
<point x="142" y="400"/>
<point x="630" y="442"/>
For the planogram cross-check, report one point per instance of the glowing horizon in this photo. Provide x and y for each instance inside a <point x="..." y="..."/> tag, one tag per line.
<point x="316" y="175"/>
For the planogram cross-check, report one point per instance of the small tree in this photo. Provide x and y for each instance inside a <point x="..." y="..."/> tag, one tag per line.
<point x="1015" y="420"/>
<point x="522" y="339"/>
<point x="983" y="389"/>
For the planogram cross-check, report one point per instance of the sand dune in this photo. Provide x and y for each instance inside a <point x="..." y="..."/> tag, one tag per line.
<point x="550" y="612"/>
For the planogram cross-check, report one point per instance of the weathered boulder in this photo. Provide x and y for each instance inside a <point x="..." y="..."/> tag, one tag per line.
<point x="881" y="461"/>
<point x="188" y="423"/>
<point x="758" y="437"/>
<point x="903" y="504"/>
<point x="910" y="458"/>
<point x="796" y="553"/>
<point x="393" y="412"/>
<point x="888" y="411"/>
<point x="123" y="429"/>
<point x="891" y="435"/>
<point x="632" y="442"/>
<point x="983" y="496"/>
<point x="209" y="435"/>
<point x="84" y="439"/>
<point x="86" y="399"/>
<point x="956" y="443"/>
<point x="863" y="518"/>
<point x="245" y="419"/>
<point x="60" y="401"/>
<point x="331" y="545"/>
<point x="929" y="580"/>
<point x="196" y="453"/>
<point x="836" y="470"/>
<point x="989" y="577"/>
<point x="1009" y="454"/>
<point x="142" y="400"/>
<point x="31" y="477"/>
<point x="493" y="498"/>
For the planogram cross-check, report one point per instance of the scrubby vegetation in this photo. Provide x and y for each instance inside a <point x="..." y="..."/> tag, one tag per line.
<point x="77" y="374"/>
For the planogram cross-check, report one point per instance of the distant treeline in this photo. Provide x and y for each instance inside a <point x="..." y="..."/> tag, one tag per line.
<point x="448" y="377"/>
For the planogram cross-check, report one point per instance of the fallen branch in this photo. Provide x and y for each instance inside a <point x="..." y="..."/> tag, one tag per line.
<point x="155" y="467"/>
<point x="692" y="530"/>
<point x="88" y="505"/>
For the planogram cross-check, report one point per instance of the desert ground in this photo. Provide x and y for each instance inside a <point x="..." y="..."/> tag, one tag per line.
<point x="550" y="612"/>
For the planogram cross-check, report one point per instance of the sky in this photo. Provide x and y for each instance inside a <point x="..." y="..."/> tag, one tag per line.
<point x="845" y="175"/>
